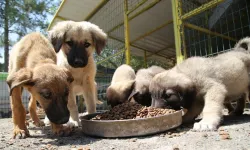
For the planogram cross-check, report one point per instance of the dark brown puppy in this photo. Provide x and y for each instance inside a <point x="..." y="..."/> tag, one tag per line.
<point x="143" y="78"/>
<point x="32" y="65"/>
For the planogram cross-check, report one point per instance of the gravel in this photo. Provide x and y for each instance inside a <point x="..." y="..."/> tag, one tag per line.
<point x="234" y="134"/>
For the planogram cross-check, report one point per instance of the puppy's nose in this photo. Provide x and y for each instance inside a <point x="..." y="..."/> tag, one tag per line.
<point x="78" y="62"/>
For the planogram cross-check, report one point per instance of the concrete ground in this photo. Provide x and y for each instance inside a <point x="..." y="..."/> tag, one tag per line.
<point x="234" y="134"/>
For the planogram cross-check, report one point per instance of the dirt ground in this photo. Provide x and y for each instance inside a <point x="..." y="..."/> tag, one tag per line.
<point x="234" y="134"/>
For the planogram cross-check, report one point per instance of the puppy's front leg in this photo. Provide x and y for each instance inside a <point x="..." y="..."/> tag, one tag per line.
<point x="212" y="112"/>
<point x="74" y="117"/>
<point x="18" y="114"/>
<point x="89" y="94"/>
<point x="33" y="114"/>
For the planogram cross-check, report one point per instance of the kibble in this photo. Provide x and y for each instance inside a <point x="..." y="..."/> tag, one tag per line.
<point x="130" y="110"/>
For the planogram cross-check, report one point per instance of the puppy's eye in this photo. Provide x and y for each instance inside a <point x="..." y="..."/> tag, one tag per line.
<point x="46" y="93"/>
<point x="70" y="43"/>
<point x="86" y="44"/>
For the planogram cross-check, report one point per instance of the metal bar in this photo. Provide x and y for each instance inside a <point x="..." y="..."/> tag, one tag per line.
<point x="165" y="48"/>
<point x="135" y="46"/>
<point x="145" y="59"/>
<point x="135" y="15"/>
<point x="58" y="10"/>
<point x="202" y="8"/>
<point x="62" y="18"/>
<point x="208" y="31"/>
<point x="147" y="51"/>
<point x="137" y="6"/>
<point x="152" y="31"/>
<point x="107" y="58"/>
<point x="126" y="32"/>
<point x="177" y="22"/>
<point x="96" y="9"/>
<point x="183" y="41"/>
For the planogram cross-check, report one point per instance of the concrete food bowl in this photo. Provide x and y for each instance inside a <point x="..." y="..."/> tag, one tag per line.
<point x="130" y="127"/>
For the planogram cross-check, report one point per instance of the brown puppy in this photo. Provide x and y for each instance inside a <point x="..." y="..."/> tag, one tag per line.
<point x="32" y="65"/>
<point x="121" y="85"/>
<point x="143" y="78"/>
<point x="75" y="43"/>
<point x="203" y="85"/>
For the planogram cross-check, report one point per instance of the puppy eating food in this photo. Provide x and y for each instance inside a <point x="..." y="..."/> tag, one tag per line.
<point x="121" y="85"/>
<point x="32" y="65"/>
<point x="75" y="43"/>
<point x="203" y="84"/>
<point x="143" y="78"/>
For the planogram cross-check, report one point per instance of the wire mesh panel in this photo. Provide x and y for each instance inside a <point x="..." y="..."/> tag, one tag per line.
<point x="5" y="108"/>
<point x="217" y="29"/>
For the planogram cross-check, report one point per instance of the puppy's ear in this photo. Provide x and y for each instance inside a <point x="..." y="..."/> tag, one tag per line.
<point x="58" y="33"/>
<point x="244" y="44"/>
<point x="99" y="38"/>
<point x="20" y="78"/>
<point x="56" y="39"/>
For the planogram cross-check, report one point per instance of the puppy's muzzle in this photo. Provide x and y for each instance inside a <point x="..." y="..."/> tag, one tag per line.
<point x="174" y="102"/>
<point x="58" y="112"/>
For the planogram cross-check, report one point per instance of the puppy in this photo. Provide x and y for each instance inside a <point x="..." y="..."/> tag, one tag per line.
<point x="203" y="84"/>
<point x="143" y="78"/>
<point x="75" y="43"/>
<point x="243" y="44"/>
<point x="121" y="85"/>
<point x="32" y="65"/>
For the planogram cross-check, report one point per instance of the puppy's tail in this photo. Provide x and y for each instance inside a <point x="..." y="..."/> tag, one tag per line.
<point x="243" y="44"/>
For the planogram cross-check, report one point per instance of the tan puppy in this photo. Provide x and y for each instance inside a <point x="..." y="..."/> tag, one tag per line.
<point x="121" y="85"/>
<point x="75" y="43"/>
<point x="143" y="78"/>
<point x="203" y="84"/>
<point x="32" y="65"/>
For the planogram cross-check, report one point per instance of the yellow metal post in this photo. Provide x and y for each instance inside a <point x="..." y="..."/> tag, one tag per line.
<point x="126" y="32"/>
<point x="145" y="59"/>
<point x="178" y="30"/>
<point x="136" y="14"/>
<point x="55" y="16"/>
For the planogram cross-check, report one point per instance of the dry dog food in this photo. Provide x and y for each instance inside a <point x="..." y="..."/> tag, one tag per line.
<point x="130" y="110"/>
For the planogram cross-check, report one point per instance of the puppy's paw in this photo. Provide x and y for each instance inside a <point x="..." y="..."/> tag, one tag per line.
<point x="60" y="130"/>
<point x="39" y="123"/>
<point x="46" y="121"/>
<point x="20" y="133"/>
<point x="72" y="123"/>
<point x="205" y="126"/>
